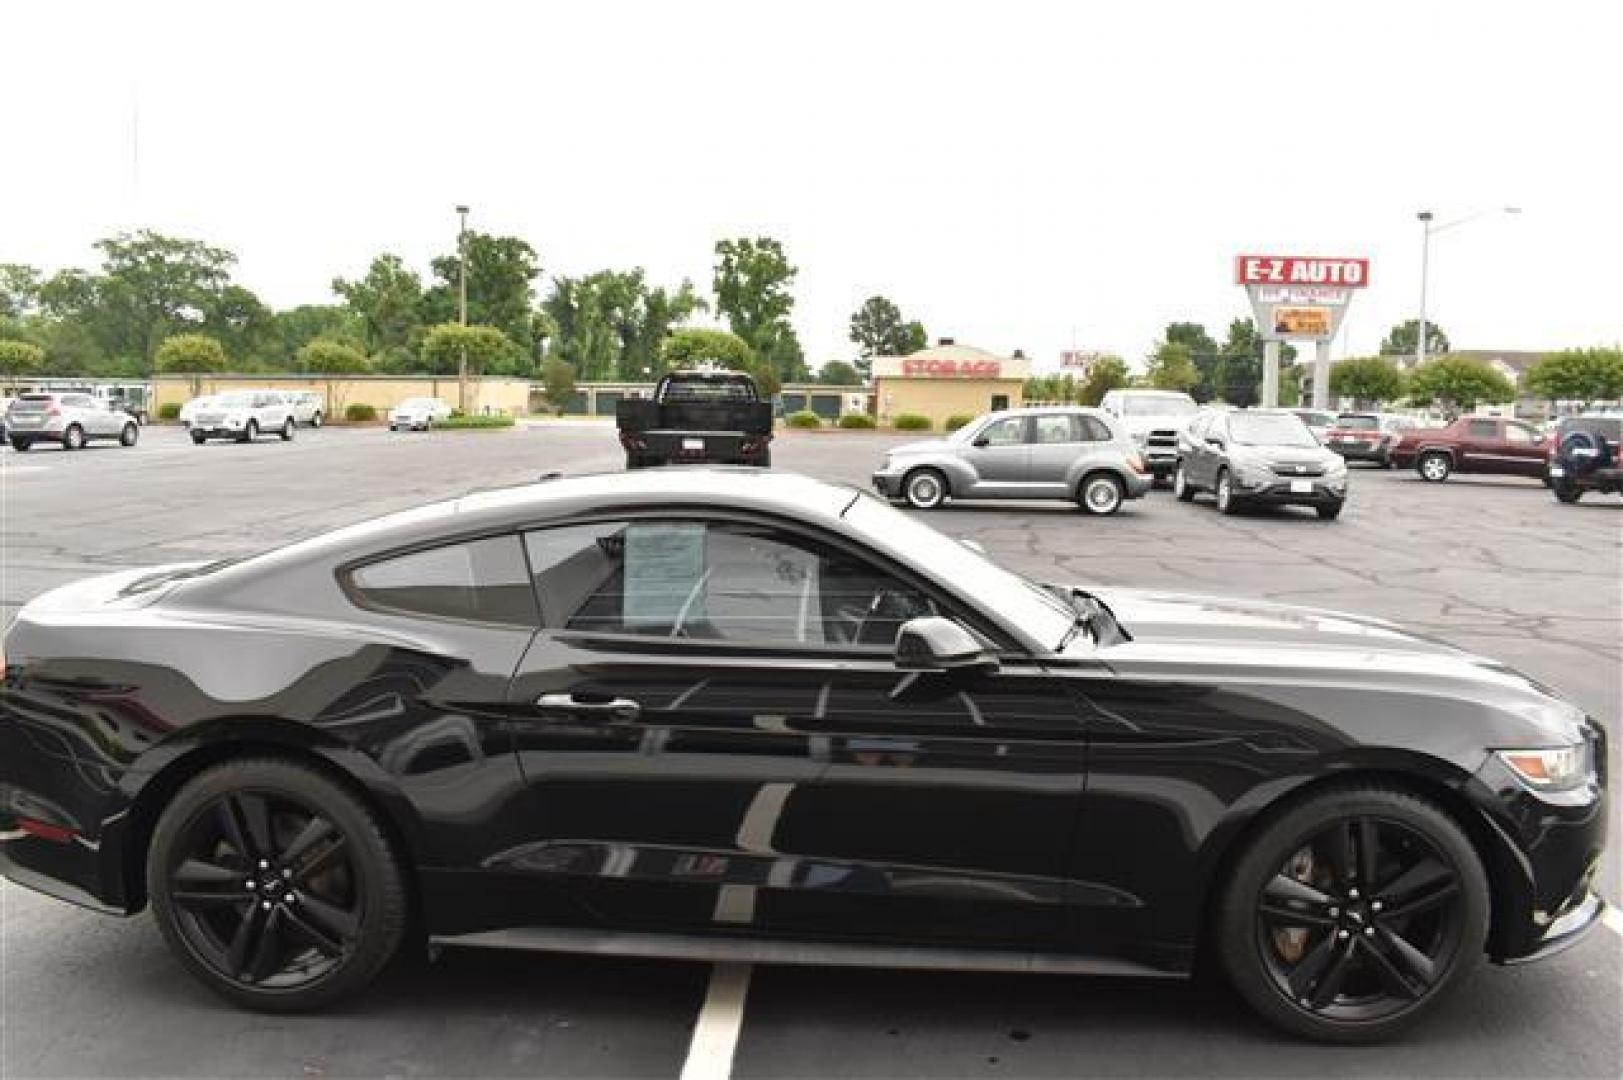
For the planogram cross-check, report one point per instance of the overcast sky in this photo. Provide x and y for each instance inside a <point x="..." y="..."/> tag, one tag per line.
<point x="1013" y="174"/>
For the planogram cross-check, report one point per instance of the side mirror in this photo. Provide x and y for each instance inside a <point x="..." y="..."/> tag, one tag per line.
<point x="1215" y="440"/>
<point x="934" y="643"/>
<point x="981" y="440"/>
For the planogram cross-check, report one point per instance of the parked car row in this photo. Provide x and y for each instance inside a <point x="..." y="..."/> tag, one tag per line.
<point x="307" y="407"/>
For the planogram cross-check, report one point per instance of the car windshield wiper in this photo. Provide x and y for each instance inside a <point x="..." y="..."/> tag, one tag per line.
<point x="1092" y="615"/>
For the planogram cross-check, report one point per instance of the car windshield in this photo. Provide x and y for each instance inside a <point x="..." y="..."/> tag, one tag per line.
<point x="1016" y="600"/>
<point x="1358" y="423"/>
<point x="1158" y="405"/>
<point x="736" y="389"/>
<point x="1270" y="429"/>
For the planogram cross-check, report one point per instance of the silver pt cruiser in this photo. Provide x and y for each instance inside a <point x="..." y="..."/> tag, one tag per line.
<point x="1065" y="452"/>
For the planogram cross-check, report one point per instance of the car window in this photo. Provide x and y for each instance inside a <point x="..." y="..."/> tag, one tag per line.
<point x="1010" y="432"/>
<point x="1483" y="429"/>
<point x="1356" y="422"/>
<point x="1054" y="428"/>
<point x="714" y="581"/>
<point x="1520" y="434"/>
<point x="1094" y="429"/>
<point x="480" y="581"/>
<point x="77" y="401"/>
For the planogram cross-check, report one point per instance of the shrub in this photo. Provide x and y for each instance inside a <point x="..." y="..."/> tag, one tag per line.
<point x="360" y="412"/>
<point x="458" y="421"/>
<point x="804" y="418"/>
<point x="956" y="421"/>
<point x="857" y="420"/>
<point x="908" y="421"/>
<point x="169" y="410"/>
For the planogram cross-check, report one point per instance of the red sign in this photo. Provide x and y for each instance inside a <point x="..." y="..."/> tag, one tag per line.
<point x="1300" y="270"/>
<point x="952" y="369"/>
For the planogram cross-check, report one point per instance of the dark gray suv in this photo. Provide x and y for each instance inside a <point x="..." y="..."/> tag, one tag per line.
<point x="1257" y="457"/>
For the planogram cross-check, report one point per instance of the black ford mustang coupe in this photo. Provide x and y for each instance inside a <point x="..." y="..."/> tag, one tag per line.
<point x="734" y="715"/>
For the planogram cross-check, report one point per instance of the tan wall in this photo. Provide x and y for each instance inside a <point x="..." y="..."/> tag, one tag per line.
<point x="511" y="396"/>
<point x="941" y="398"/>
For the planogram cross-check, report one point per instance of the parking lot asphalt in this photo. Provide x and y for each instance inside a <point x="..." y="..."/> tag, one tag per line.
<point x="1494" y="565"/>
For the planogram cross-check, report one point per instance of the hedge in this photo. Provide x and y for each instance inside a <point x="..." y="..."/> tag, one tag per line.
<point x="360" y="412"/>
<point x="957" y="420"/>
<point x="458" y="421"/>
<point x="804" y="418"/>
<point x="857" y="420"/>
<point x="908" y="421"/>
<point x="169" y="410"/>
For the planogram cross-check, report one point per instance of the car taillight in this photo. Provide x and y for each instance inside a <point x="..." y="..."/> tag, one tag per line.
<point x="1136" y="463"/>
<point x="633" y="442"/>
<point x="53" y="411"/>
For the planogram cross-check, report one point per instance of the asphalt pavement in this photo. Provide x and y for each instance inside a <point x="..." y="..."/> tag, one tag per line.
<point x="1494" y="565"/>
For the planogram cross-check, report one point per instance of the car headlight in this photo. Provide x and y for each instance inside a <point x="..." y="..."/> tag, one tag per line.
<point x="1551" y="768"/>
<point x="1336" y="467"/>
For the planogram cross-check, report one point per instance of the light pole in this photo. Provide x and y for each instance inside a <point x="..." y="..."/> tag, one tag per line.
<point x="1427" y="231"/>
<point x="462" y="305"/>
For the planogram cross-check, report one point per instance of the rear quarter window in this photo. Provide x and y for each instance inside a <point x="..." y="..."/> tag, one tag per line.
<point x="485" y="581"/>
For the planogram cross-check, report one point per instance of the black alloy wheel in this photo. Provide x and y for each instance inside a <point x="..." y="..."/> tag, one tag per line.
<point x="1350" y="918"/>
<point x="274" y="885"/>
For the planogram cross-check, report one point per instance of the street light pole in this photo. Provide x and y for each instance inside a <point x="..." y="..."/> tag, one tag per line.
<point x="462" y="305"/>
<point x="1428" y="230"/>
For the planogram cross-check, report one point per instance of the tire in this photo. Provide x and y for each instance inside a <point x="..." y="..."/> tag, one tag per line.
<point x="287" y="430"/>
<point x="393" y="428"/>
<point x="323" y="926"/>
<point x="634" y="461"/>
<point x="1434" y="466"/>
<point x="1101" y="494"/>
<point x="128" y="436"/>
<point x="198" y="438"/>
<point x="315" y="419"/>
<point x="1297" y="974"/>
<point x="1226" y="502"/>
<point x="1568" y="493"/>
<point x="250" y="432"/>
<point x="21" y="445"/>
<point x="73" y="438"/>
<point x="1331" y="511"/>
<point x="1181" y="487"/>
<point x="924" y="489"/>
<point x="765" y="460"/>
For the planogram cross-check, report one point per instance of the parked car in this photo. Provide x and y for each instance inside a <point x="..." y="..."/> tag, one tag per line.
<point x="1367" y="436"/>
<point x="1039" y="453"/>
<point x="966" y="768"/>
<point x="1472" y="444"/>
<point x="243" y="415"/>
<point x="1258" y="457"/>
<point x="697" y="416"/>
<point x="1153" y="419"/>
<point x="1585" y="454"/>
<point x="1318" y="421"/>
<point x="5" y="407"/>
<point x="418" y="414"/>
<point x="70" y="420"/>
<point x="309" y="407"/>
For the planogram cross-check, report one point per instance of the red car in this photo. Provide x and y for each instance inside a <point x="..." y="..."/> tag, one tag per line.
<point x="1472" y="444"/>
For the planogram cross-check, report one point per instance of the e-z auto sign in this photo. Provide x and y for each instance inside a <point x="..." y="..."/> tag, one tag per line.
<point x="1301" y="270"/>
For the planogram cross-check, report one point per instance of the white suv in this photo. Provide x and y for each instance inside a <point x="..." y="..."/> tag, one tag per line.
<point x="309" y="406"/>
<point x="418" y="412"/>
<point x="69" y="419"/>
<point x="243" y="415"/>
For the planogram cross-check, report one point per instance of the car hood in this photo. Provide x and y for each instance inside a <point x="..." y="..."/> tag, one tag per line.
<point x="1167" y="618"/>
<point x="1286" y="457"/>
<point x="924" y="446"/>
<point x="1143" y="425"/>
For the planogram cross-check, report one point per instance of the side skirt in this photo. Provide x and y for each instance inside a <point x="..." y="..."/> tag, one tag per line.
<point x="767" y="951"/>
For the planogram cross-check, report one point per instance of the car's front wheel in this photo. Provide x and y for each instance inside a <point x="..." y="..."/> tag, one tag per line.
<point x="1434" y="466"/>
<point x="1567" y="493"/>
<point x="1101" y="494"/>
<point x="924" y="489"/>
<point x="275" y="886"/>
<point x="73" y="438"/>
<point x="287" y="430"/>
<point x="1181" y="487"/>
<point x="128" y="436"/>
<point x="315" y="419"/>
<point x="1226" y="502"/>
<point x="198" y="438"/>
<point x="21" y="445"/>
<point x="1329" y="511"/>
<point x="251" y="431"/>
<point x="1353" y="914"/>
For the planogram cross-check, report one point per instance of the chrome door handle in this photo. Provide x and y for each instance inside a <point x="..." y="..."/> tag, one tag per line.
<point x="622" y="710"/>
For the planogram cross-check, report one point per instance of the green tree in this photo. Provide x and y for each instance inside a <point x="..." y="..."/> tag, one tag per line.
<point x="489" y="351"/>
<point x="1107" y="373"/>
<point x="558" y="377"/>
<point x="878" y="329"/>
<point x="1458" y="384"/>
<point x="19" y="358"/>
<point x="191" y="354"/>
<point x="1171" y="367"/>
<point x="1203" y="350"/>
<point x="1368" y="380"/>
<point x="244" y="326"/>
<point x="19" y="290"/>
<point x="839" y="373"/>
<point x="1402" y="339"/>
<point x="501" y="290"/>
<point x="296" y="327"/>
<point x="752" y="282"/>
<point x="388" y="301"/>
<point x="1584" y="375"/>
<point x="333" y="360"/>
<point x="154" y="286"/>
<point x="692" y="346"/>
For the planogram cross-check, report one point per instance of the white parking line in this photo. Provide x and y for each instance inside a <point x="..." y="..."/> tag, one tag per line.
<point x="19" y="470"/>
<point x="1613" y="918"/>
<point x="715" y="1032"/>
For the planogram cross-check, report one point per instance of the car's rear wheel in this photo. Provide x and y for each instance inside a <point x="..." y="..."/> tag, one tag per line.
<point x="924" y="489"/>
<point x="251" y="431"/>
<point x="1329" y="511"/>
<point x="275" y="886"/>
<point x="1353" y="914"/>
<point x="287" y="430"/>
<point x="199" y="438"/>
<point x="1101" y="493"/>
<point x="130" y="433"/>
<point x="21" y="445"/>
<point x="1434" y="466"/>
<point x="1226" y="502"/>
<point x="73" y="438"/>
<point x="1181" y="487"/>
<point x="315" y="419"/>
